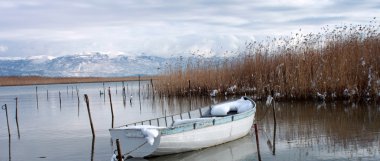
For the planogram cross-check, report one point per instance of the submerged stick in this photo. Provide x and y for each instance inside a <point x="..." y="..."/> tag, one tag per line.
<point x="18" y="130"/>
<point x="78" y="98"/>
<point x="257" y="143"/>
<point x="89" y="114"/>
<point x="92" y="148"/>
<point x="274" y="130"/>
<point x="60" y="101"/>
<point x="37" y="97"/>
<point x="104" y="93"/>
<point x="4" y="107"/>
<point x="119" y="157"/>
<point x="109" y="94"/>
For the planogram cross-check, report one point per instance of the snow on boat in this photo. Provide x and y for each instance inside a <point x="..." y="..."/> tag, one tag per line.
<point x="189" y="131"/>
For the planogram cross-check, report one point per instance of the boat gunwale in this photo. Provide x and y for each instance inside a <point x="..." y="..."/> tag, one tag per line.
<point x="216" y="120"/>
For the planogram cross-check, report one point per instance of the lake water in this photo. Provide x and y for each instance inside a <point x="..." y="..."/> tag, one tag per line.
<point x="303" y="130"/>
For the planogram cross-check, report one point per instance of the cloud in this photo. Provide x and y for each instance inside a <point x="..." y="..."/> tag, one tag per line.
<point x="160" y="27"/>
<point x="3" y="48"/>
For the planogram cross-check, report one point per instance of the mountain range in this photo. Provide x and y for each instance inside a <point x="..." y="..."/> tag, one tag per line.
<point x="83" y="65"/>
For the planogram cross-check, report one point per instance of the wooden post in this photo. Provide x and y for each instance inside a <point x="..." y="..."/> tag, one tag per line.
<point x="18" y="129"/>
<point x="257" y="143"/>
<point x="60" y="100"/>
<point x="67" y="90"/>
<point x="37" y="96"/>
<point x="119" y="156"/>
<point x="47" y="95"/>
<point x="189" y="88"/>
<point x="92" y="148"/>
<point x="4" y="107"/>
<point x="16" y="108"/>
<point x="274" y="129"/>
<point x="109" y="94"/>
<point x="89" y="114"/>
<point x="77" y="98"/>
<point x="166" y="122"/>
<point x="139" y="85"/>
<point x="104" y="92"/>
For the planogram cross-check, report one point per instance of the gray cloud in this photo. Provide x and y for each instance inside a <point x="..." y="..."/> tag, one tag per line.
<point x="46" y="27"/>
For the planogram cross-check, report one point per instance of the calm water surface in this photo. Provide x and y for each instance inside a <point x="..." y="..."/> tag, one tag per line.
<point x="303" y="130"/>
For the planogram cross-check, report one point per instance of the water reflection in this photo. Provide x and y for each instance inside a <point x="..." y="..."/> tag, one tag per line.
<point x="239" y="150"/>
<point x="301" y="131"/>
<point x="318" y="131"/>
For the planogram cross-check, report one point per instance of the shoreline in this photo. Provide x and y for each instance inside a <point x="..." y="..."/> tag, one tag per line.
<point x="39" y="80"/>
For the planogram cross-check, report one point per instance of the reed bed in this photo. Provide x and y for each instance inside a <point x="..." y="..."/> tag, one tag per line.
<point x="342" y="62"/>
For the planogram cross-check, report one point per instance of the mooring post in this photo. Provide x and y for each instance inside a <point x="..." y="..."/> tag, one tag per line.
<point x="109" y="94"/>
<point x="189" y="88"/>
<point x="77" y="98"/>
<point x="16" y="108"/>
<point x="37" y="96"/>
<point x="119" y="156"/>
<point x="89" y="114"/>
<point x="274" y="129"/>
<point x="4" y="107"/>
<point x="104" y="92"/>
<point x="60" y="100"/>
<point x="257" y="143"/>
<point x="18" y="130"/>
<point x="139" y="85"/>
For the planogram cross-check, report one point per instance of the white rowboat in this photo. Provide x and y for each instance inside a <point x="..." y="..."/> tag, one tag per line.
<point x="189" y="131"/>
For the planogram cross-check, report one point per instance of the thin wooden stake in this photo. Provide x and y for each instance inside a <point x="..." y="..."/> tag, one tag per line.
<point x="77" y="98"/>
<point x="89" y="114"/>
<point x="18" y="129"/>
<point x="4" y="107"/>
<point x="139" y="85"/>
<point x="274" y="130"/>
<point x="119" y="157"/>
<point x="60" y="100"/>
<point x="257" y="143"/>
<point x="109" y="94"/>
<point x="47" y="95"/>
<point x="37" y="96"/>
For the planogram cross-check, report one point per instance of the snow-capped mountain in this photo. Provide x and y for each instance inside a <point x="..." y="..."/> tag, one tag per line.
<point x="94" y="64"/>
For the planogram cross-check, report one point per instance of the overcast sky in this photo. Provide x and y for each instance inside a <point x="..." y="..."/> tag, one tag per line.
<point x="155" y="27"/>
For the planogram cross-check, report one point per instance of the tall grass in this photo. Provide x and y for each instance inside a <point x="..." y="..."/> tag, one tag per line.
<point x="340" y="62"/>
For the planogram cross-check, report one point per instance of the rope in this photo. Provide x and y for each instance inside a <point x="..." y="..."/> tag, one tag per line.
<point x="126" y="154"/>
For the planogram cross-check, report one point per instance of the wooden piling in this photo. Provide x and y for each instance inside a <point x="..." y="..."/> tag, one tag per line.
<point x="77" y="98"/>
<point x="104" y="92"/>
<point x="257" y="143"/>
<point x="60" y="100"/>
<point x="16" y="108"/>
<point x="4" y="107"/>
<point x="139" y="84"/>
<point x="274" y="129"/>
<point x="109" y="94"/>
<point x="92" y="148"/>
<point x="37" y="96"/>
<point x="89" y="114"/>
<point x="18" y="129"/>
<point x="119" y="156"/>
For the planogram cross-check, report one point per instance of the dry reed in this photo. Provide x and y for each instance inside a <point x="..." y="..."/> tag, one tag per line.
<point x="343" y="62"/>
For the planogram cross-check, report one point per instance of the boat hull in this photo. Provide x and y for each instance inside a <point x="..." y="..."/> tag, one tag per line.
<point x="204" y="137"/>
